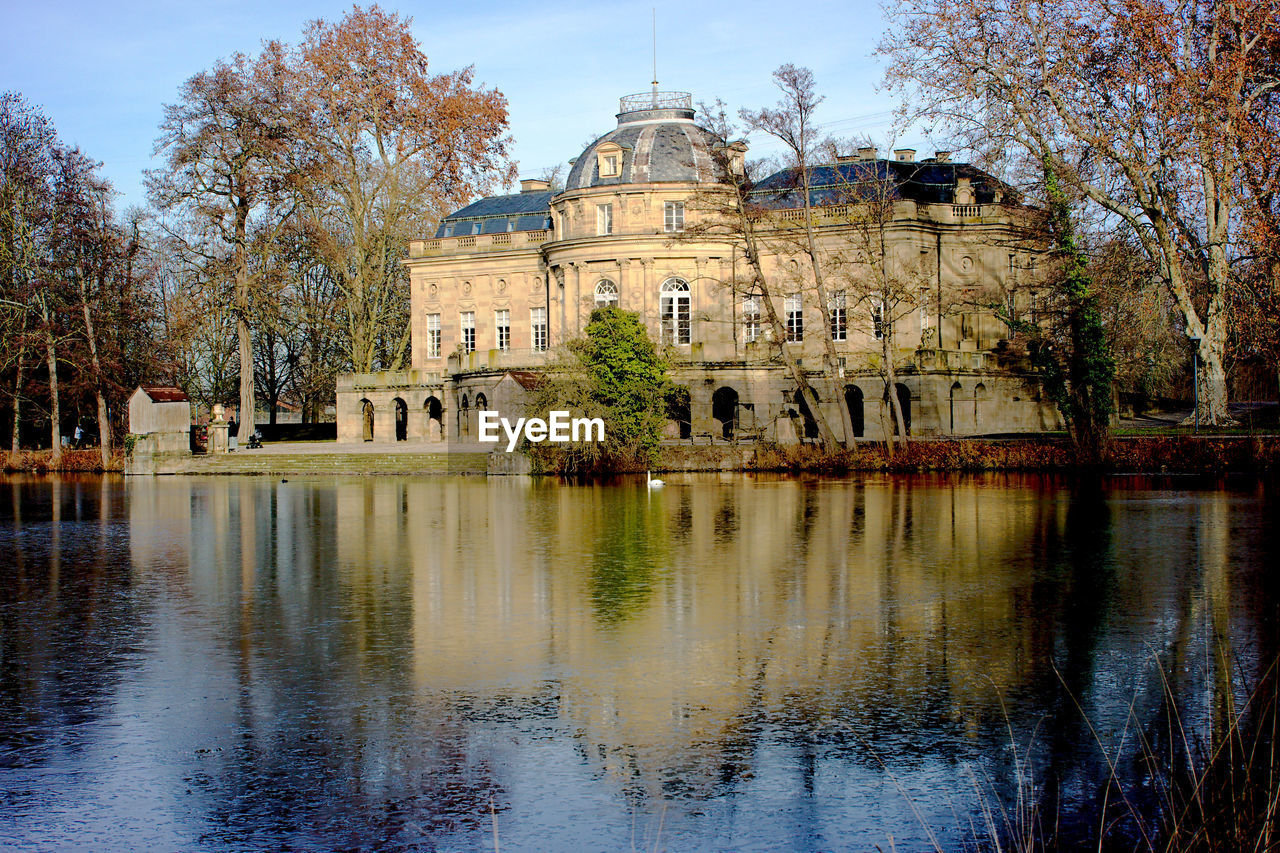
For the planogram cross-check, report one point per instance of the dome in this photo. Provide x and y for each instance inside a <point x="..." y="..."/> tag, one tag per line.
<point x="656" y="141"/>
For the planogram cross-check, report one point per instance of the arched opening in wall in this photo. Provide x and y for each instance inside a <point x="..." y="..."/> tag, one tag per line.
<point x="853" y="400"/>
<point x="402" y="419"/>
<point x="810" y="422"/>
<point x="482" y="402"/>
<point x="956" y="391"/>
<point x="435" y="419"/>
<point x="366" y="415"/>
<point x="979" y="397"/>
<point x="724" y="408"/>
<point x="679" y="417"/>
<point x="904" y="400"/>
<point x="464" y="416"/>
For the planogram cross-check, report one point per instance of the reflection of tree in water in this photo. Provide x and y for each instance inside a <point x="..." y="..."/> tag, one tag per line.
<point x="68" y="614"/>
<point x="1072" y="595"/>
<point x="631" y="542"/>
<point x="329" y="747"/>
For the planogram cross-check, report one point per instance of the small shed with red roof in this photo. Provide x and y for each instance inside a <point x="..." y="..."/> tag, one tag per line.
<point x="162" y="411"/>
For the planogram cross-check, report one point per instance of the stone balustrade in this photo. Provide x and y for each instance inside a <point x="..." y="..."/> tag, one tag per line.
<point x="501" y="242"/>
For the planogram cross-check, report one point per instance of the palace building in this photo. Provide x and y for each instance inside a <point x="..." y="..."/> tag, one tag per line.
<point x="506" y="279"/>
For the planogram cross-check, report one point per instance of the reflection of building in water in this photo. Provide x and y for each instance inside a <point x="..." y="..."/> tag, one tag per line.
<point x="672" y="623"/>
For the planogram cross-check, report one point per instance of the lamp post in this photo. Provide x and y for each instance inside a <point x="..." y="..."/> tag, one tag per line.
<point x="1195" y="374"/>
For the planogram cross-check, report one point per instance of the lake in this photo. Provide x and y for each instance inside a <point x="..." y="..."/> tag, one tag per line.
<point x="727" y="663"/>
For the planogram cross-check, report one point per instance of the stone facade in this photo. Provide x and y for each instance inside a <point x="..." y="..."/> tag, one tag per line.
<point x="507" y="279"/>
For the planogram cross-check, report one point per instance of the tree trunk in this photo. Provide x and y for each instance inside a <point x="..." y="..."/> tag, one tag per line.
<point x="247" y="411"/>
<point x="55" y="427"/>
<point x="829" y="356"/>
<point x="104" y="429"/>
<point x="17" y="401"/>
<point x="104" y="424"/>
<point x="1213" y="400"/>
<point x="891" y="387"/>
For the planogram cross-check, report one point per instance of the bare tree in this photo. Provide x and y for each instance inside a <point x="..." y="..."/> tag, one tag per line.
<point x="877" y="279"/>
<point x="792" y="122"/>
<point x="397" y="148"/>
<point x="1140" y="106"/>
<point x="93" y="249"/>
<point x="228" y="144"/>
<point x="27" y="144"/>
<point x="728" y="212"/>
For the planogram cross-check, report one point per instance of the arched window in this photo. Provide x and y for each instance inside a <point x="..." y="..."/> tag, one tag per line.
<point x="674" y="311"/>
<point x="481" y="403"/>
<point x="606" y="294"/>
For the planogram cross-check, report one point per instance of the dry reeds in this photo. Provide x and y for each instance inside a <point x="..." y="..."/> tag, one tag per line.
<point x="72" y="461"/>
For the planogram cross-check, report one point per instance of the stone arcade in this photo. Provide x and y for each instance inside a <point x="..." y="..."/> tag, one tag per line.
<point x="506" y="279"/>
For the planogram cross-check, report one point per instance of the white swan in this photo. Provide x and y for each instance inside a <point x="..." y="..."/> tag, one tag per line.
<point x="652" y="483"/>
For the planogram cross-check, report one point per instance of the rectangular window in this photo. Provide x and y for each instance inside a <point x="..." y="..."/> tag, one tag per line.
<point x="839" y="317"/>
<point x="751" y="318"/>
<point x="538" y="322"/>
<point x="502" y="325"/>
<point x="795" y="318"/>
<point x="604" y="219"/>
<point x="468" y="331"/>
<point x="877" y="319"/>
<point x="433" y="336"/>
<point x="673" y="216"/>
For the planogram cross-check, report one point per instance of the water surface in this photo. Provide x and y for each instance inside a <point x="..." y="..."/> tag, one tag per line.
<point x="729" y="663"/>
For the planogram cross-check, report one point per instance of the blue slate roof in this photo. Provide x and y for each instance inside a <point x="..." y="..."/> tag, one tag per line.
<point x="924" y="181"/>
<point x="518" y="212"/>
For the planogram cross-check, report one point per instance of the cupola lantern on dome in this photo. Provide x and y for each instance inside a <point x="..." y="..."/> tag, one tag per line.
<point x="655" y="105"/>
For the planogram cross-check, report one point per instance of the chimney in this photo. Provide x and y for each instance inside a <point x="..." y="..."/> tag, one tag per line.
<point x="867" y="153"/>
<point x="904" y="155"/>
<point x="942" y="156"/>
<point x="534" y="185"/>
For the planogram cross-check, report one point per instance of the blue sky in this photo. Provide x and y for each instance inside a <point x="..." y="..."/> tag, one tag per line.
<point x="102" y="71"/>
